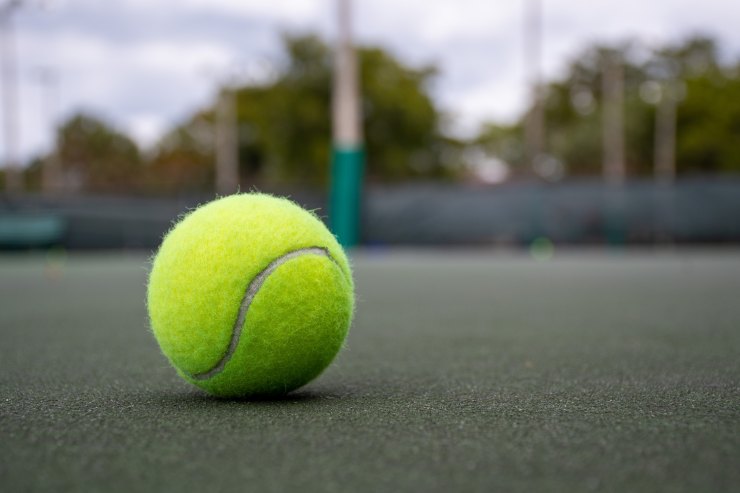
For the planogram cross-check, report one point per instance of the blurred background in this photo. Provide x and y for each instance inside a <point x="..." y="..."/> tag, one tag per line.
<point x="528" y="124"/>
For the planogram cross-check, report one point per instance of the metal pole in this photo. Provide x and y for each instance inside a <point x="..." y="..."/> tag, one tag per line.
<point x="613" y="147"/>
<point x="348" y="154"/>
<point x="613" y="120"/>
<point x="665" y="161"/>
<point x="535" y="121"/>
<point x="347" y="129"/>
<point x="51" y="171"/>
<point x="665" y="135"/>
<point x="13" y="177"/>
<point x="227" y="146"/>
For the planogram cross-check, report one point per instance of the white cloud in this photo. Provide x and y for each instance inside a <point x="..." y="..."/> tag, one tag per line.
<point x="142" y="86"/>
<point x="147" y="128"/>
<point x="308" y="10"/>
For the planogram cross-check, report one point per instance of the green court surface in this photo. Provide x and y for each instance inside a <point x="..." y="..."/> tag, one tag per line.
<point x="464" y="371"/>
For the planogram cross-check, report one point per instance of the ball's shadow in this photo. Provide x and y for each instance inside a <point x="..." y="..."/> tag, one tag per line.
<point x="195" y="397"/>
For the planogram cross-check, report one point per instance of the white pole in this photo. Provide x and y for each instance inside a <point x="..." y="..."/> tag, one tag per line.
<point x="227" y="146"/>
<point x="665" y="135"/>
<point x="348" y="155"/>
<point x="347" y="128"/>
<point x="535" y="120"/>
<point x="665" y="159"/>
<point x="613" y="120"/>
<point x="51" y="181"/>
<point x="13" y="177"/>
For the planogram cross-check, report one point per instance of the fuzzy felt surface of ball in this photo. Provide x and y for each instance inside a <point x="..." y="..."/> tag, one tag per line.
<point x="250" y="295"/>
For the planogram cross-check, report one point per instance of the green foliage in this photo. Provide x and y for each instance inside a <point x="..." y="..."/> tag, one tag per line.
<point x="401" y="121"/>
<point x="285" y="123"/>
<point x="708" y="110"/>
<point x="502" y="141"/>
<point x="709" y="125"/>
<point x="284" y="131"/>
<point x="183" y="160"/>
<point x="294" y="113"/>
<point x="96" y="157"/>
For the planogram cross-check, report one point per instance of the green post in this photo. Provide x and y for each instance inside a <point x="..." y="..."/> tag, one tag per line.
<point x="346" y="194"/>
<point x="348" y="156"/>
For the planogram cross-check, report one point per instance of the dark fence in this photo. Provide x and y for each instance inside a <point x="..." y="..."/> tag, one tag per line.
<point x="573" y="212"/>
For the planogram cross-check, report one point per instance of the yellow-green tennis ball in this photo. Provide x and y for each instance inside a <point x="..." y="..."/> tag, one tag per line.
<point x="250" y="295"/>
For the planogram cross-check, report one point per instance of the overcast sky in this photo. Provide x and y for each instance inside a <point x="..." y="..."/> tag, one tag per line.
<point x="146" y="64"/>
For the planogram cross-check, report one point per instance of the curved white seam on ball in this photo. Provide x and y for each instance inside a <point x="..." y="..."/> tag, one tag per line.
<point x="249" y="295"/>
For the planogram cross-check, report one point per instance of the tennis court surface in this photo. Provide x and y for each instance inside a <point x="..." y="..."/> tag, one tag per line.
<point x="464" y="371"/>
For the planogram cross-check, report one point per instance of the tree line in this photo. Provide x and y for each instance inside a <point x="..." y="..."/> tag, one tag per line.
<point x="706" y="94"/>
<point x="284" y="126"/>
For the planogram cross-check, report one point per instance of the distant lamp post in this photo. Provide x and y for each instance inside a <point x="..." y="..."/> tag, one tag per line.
<point x="227" y="145"/>
<point x="614" y="168"/>
<point x="51" y="173"/>
<point x="534" y="131"/>
<point x="665" y="94"/>
<point x="226" y="125"/>
<point x="612" y="81"/>
<point x="9" y="75"/>
<point x="665" y="133"/>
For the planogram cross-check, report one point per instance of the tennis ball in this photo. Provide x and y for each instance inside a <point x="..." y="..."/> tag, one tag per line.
<point x="250" y="295"/>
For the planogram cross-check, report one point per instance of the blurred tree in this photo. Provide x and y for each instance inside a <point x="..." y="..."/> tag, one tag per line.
<point x="707" y="96"/>
<point x="285" y="124"/>
<point x="95" y="157"/>
<point x="183" y="160"/>
<point x="709" y="125"/>
<point x="291" y="117"/>
<point x="401" y="121"/>
<point x="503" y="141"/>
<point x="290" y="126"/>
